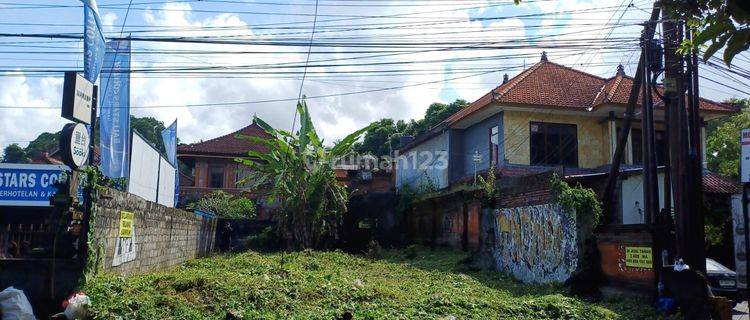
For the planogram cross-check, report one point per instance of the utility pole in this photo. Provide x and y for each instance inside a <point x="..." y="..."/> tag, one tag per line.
<point x="686" y="182"/>
<point x="622" y="139"/>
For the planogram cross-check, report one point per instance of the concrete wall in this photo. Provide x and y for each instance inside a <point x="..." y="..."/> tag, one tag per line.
<point x="536" y="244"/>
<point x="163" y="237"/>
<point x="593" y="143"/>
<point x="451" y="221"/>
<point x="428" y="160"/>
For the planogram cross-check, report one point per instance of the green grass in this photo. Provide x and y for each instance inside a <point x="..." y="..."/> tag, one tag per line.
<point x="324" y="285"/>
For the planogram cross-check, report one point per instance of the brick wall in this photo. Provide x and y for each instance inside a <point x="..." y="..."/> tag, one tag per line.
<point x="163" y="237"/>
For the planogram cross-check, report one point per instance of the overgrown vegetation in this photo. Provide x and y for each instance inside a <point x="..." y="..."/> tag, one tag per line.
<point x="225" y="205"/>
<point x="489" y="186"/>
<point x="326" y="285"/>
<point x="582" y="201"/>
<point x="298" y="168"/>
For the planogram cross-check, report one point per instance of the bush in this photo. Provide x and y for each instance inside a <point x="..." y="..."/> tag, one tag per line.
<point x="266" y="240"/>
<point x="224" y="205"/>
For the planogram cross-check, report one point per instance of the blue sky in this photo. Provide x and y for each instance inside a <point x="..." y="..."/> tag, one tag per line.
<point x="418" y="22"/>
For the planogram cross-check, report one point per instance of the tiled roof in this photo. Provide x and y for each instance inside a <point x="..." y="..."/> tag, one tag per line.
<point x="618" y="88"/>
<point x="227" y="145"/>
<point x="547" y="84"/>
<point x="715" y="183"/>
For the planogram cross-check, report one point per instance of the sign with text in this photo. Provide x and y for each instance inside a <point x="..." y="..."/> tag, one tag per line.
<point x="745" y="155"/>
<point x="28" y="184"/>
<point x="738" y="238"/>
<point x="93" y="41"/>
<point x="125" y="248"/>
<point x="638" y="257"/>
<point x="74" y="145"/>
<point x="126" y="224"/>
<point x="114" y="110"/>
<point x="78" y="96"/>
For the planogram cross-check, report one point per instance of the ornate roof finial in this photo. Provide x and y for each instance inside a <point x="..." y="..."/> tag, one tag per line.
<point x="544" y="55"/>
<point x="505" y="78"/>
<point x="620" y="70"/>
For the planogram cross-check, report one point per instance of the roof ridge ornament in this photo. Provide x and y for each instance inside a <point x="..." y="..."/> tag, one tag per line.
<point x="544" y="55"/>
<point x="505" y="78"/>
<point x="620" y="71"/>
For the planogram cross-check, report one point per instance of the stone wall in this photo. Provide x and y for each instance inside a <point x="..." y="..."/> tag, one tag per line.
<point x="162" y="237"/>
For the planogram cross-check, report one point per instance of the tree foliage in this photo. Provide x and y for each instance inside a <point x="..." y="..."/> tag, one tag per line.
<point x="43" y="143"/>
<point x="298" y="168"/>
<point x="723" y="141"/>
<point x="14" y="154"/>
<point x="149" y="127"/>
<point x="225" y="205"/>
<point x="716" y="24"/>
<point x="386" y="133"/>
<point x="383" y="138"/>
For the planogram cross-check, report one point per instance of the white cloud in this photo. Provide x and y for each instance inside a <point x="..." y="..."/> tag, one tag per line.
<point x="24" y="124"/>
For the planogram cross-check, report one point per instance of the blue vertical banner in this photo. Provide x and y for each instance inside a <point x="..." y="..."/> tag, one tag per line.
<point x="169" y="136"/>
<point x="93" y="41"/>
<point x="114" y="110"/>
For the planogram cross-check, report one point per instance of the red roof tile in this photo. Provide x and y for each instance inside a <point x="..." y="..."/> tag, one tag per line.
<point x="228" y="144"/>
<point x="548" y="84"/>
<point x="618" y="91"/>
<point x="715" y="183"/>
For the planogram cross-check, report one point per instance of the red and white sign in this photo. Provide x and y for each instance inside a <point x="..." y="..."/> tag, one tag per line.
<point x="745" y="155"/>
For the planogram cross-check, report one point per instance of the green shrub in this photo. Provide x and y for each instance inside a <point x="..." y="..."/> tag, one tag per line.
<point x="266" y="240"/>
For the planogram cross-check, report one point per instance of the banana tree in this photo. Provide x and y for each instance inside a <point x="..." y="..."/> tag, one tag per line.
<point x="298" y="169"/>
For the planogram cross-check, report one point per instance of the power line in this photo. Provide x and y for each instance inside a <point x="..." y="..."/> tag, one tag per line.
<point x="307" y="61"/>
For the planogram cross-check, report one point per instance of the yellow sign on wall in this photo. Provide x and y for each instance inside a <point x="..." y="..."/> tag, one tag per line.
<point x="638" y="257"/>
<point x="126" y="224"/>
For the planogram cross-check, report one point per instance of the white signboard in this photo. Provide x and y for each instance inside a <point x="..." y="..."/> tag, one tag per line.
<point x="166" y="183"/>
<point x="143" y="179"/>
<point x="745" y="155"/>
<point x="78" y="96"/>
<point x="738" y="237"/>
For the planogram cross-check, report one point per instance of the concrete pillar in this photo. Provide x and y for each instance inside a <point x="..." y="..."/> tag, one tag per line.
<point x="629" y="148"/>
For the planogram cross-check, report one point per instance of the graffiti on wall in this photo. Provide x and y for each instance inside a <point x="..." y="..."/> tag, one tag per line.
<point x="536" y="243"/>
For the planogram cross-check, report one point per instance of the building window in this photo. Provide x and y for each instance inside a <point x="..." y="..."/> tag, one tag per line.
<point x="216" y="177"/>
<point x="494" y="144"/>
<point x="554" y="144"/>
<point x="637" y="149"/>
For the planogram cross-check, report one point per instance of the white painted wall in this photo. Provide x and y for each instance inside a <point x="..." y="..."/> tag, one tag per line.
<point x="632" y="192"/>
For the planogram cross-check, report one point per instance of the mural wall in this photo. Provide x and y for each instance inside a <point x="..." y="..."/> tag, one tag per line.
<point x="535" y="243"/>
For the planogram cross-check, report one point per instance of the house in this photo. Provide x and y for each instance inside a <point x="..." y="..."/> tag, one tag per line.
<point x="211" y="166"/>
<point x="547" y="117"/>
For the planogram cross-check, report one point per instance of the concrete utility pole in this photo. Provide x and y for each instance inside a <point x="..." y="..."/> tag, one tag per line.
<point x="682" y="149"/>
<point x="622" y="139"/>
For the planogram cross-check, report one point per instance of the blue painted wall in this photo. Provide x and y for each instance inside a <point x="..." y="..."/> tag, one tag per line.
<point x="477" y="138"/>
<point x="454" y="146"/>
<point x="428" y="160"/>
